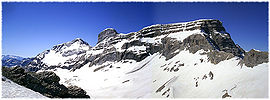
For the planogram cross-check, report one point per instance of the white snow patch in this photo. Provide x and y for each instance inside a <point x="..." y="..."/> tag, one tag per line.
<point x="13" y="90"/>
<point x="53" y="58"/>
<point x="180" y="36"/>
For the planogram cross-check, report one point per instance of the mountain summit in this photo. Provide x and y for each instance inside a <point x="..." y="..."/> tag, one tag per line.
<point x="189" y="59"/>
<point x="74" y="44"/>
<point x="67" y="55"/>
<point x="109" y="32"/>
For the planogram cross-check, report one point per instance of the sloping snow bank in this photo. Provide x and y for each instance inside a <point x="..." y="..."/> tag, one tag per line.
<point x="13" y="90"/>
<point x="198" y="78"/>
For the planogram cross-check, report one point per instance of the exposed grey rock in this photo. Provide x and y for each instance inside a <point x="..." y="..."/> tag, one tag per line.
<point x="211" y="75"/>
<point x="116" y="56"/>
<point x="132" y="43"/>
<point x="131" y="55"/>
<point x="113" y="56"/>
<point x="226" y="94"/>
<point x="197" y="42"/>
<point x="217" y="56"/>
<point x="17" y="70"/>
<point x="254" y="57"/>
<point x="169" y="46"/>
<point x="83" y="60"/>
<point x="48" y="77"/>
<point x="109" y="32"/>
<point x="223" y="42"/>
<point x="77" y="92"/>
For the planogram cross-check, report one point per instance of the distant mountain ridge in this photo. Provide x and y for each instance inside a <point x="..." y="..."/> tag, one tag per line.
<point x="12" y="60"/>
<point x="5" y="57"/>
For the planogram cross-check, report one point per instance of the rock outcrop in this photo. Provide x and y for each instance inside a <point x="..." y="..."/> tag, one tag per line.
<point x="109" y="32"/>
<point x="46" y="83"/>
<point x="254" y="57"/>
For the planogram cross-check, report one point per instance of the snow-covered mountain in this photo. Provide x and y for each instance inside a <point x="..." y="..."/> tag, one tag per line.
<point x="5" y="57"/>
<point x="68" y="55"/>
<point x="189" y="59"/>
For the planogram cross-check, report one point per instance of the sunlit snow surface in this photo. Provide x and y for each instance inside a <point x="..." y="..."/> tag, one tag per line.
<point x="58" y="57"/>
<point x="13" y="90"/>
<point x="142" y="79"/>
<point x="239" y="82"/>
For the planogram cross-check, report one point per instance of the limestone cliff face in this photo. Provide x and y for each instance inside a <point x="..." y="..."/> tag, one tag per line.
<point x="254" y="57"/>
<point x="109" y="32"/>
<point x="167" y="39"/>
<point x="214" y="37"/>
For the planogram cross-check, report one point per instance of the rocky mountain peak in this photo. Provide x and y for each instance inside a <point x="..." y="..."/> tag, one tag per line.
<point x="109" y="32"/>
<point x="65" y="55"/>
<point x="79" y="40"/>
<point x="76" y="42"/>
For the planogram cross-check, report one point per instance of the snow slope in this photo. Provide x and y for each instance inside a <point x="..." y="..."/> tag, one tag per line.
<point x="228" y="77"/>
<point x="127" y="79"/>
<point x="143" y="79"/>
<point x="13" y="90"/>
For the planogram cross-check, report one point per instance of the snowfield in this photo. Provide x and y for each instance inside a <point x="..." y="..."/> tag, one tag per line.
<point x="228" y="77"/>
<point x="13" y="90"/>
<point x="128" y="79"/>
<point x="175" y="78"/>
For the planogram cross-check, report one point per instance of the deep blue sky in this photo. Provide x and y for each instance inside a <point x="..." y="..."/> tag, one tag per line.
<point x="31" y="28"/>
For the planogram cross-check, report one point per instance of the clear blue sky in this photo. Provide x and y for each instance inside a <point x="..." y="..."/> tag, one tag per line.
<point x="31" y="28"/>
